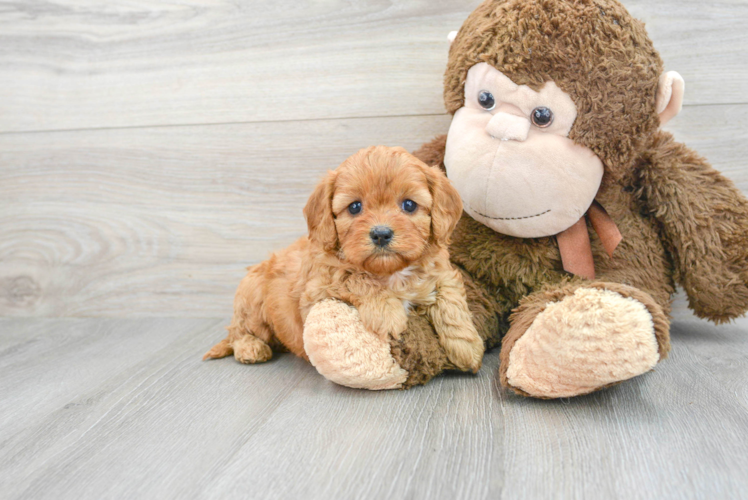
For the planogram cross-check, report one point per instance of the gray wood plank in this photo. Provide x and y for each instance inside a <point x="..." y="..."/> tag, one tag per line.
<point x="439" y="441"/>
<point x="702" y="42"/>
<point x="153" y="421"/>
<point x="69" y="64"/>
<point x="720" y="134"/>
<point x="678" y="432"/>
<point x="171" y="426"/>
<point x="163" y="221"/>
<point x="126" y="388"/>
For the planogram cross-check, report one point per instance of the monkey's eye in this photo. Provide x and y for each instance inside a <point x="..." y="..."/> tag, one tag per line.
<point x="541" y="117"/>
<point x="354" y="207"/>
<point x="409" y="206"/>
<point x="486" y="100"/>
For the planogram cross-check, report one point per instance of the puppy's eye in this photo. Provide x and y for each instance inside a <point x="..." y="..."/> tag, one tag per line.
<point x="542" y="117"/>
<point x="486" y="100"/>
<point x="354" y="207"/>
<point x="409" y="206"/>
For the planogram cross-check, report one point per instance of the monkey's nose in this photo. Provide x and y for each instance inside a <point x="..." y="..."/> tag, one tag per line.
<point x="508" y="127"/>
<point x="381" y="235"/>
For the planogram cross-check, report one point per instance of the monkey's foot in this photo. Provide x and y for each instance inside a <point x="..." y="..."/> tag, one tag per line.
<point x="573" y="341"/>
<point x="345" y="352"/>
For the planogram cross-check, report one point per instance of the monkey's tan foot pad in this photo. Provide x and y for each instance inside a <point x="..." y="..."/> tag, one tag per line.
<point x="344" y="352"/>
<point x="590" y="339"/>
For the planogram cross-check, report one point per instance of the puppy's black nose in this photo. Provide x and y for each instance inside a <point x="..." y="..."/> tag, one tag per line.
<point x="381" y="235"/>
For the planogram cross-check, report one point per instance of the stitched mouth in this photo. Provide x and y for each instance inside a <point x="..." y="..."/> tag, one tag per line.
<point x="507" y="218"/>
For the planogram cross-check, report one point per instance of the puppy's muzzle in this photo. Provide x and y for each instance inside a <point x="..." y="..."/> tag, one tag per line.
<point x="381" y="235"/>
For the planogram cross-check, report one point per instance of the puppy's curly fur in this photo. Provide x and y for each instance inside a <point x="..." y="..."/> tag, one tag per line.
<point x="384" y="275"/>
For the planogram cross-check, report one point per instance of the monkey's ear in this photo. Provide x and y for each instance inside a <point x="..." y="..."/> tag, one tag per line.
<point x="446" y="205"/>
<point x="670" y="96"/>
<point x="319" y="216"/>
<point x="451" y="36"/>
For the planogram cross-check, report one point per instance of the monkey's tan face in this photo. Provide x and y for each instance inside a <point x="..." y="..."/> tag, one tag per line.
<point x="509" y="156"/>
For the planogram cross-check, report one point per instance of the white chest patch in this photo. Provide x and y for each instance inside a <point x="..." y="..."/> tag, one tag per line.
<point x="400" y="278"/>
<point x="410" y="287"/>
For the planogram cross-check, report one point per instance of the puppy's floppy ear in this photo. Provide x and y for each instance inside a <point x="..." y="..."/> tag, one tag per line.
<point x="319" y="216"/>
<point x="446" y="208"/>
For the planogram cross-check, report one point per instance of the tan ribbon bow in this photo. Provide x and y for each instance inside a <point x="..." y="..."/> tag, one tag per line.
<point x="574" y="243"/>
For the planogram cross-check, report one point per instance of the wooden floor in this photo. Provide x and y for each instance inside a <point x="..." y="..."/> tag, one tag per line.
<point x="151" y="149"/>
<point x="124" y="408"/>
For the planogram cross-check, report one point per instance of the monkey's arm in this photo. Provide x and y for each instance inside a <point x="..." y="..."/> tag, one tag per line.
<point x="704" y="219"/>
<point x="382" y="313"/>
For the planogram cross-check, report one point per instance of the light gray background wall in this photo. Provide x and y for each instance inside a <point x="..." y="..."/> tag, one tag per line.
<point x="149" y="151"/>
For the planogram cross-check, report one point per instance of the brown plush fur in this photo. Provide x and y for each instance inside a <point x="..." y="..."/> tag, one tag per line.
<point x="592" y="49"/>
<point x="340" y="260"/>
<point x="680" y="219"/>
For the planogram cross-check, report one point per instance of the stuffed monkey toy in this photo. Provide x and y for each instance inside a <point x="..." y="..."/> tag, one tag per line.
<point x="581" y="214"/>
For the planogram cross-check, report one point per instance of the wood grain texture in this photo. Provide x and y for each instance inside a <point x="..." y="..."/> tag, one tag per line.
<point x="677" y="432"/>
<point x="189" y="135"/>
<point x="163" y="221"/>
<point x="720" y="134"/>
<point x="123" y="408"/>
<point x="69" y="64"/>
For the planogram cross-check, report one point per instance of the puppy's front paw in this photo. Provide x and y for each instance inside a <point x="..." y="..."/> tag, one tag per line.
<point x="464" y="351"/>
<point x="398" y="323"/>
<point x="391" y="321"/>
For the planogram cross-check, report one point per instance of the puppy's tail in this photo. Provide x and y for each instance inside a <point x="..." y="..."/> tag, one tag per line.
<point x="220" y="350"/>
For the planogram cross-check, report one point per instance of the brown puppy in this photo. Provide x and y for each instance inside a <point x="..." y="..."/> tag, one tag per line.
<point x="379" y="226"/>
